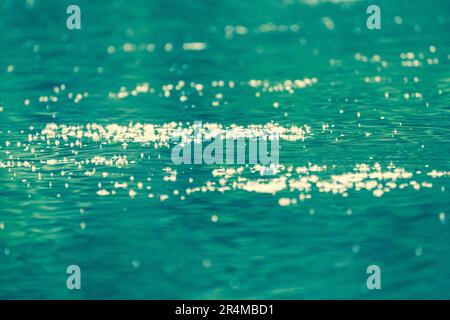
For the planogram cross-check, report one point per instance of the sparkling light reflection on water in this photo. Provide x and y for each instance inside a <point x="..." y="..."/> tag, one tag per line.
<point x="85" y="170"/>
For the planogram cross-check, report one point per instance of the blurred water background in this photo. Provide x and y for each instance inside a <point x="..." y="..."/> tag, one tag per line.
<point x="368" y="184"/>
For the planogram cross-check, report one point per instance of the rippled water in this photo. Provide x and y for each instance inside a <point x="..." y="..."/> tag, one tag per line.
<point x="85" y="170"/>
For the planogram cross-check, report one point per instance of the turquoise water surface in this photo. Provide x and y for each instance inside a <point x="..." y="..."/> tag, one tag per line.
<point x="86" y="176"/>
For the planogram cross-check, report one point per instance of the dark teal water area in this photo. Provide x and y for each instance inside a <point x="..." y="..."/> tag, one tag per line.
<point x="86" y="176"/>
